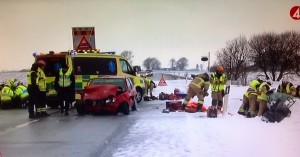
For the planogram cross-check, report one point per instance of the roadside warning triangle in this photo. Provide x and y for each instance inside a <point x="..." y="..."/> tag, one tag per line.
<point x="162" y="81"/>
<point x="84" y="44"/>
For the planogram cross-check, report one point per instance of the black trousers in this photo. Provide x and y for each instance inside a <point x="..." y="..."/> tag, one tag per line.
<point x="32" y="99"/>
<point x="65" y="95"/>
<point x="41" y="101"/>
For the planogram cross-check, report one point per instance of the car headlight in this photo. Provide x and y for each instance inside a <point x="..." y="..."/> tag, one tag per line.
<point x="110" y="100"/>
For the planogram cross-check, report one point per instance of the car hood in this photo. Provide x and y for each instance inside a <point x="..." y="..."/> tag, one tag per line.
<point x="95" y="92"/>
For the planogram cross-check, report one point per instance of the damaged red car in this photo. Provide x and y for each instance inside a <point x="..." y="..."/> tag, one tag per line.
<point x="113" y="94"/>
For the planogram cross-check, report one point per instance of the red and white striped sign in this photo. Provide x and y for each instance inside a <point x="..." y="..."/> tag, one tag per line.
<point x="83" y="38"/>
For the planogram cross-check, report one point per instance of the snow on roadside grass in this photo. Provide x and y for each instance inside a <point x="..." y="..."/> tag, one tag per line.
<point x="179" y="134"/>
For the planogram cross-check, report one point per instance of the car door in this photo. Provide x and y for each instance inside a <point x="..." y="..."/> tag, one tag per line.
<point x="131" y="90"/>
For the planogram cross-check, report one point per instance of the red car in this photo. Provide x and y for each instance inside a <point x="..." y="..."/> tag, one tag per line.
<point x="112" y="94"/>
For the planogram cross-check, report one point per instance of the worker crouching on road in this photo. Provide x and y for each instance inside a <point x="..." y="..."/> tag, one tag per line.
<point x="65" y="87"/>
<point x="41" y="82"/>
<point x="150" y="85"/>
<point x="218" y="80"/>
<point x="248" y="107"/>
<point x="288" y="88"/>
<point x="198" y="86"/>
<point x="262" y="97"/>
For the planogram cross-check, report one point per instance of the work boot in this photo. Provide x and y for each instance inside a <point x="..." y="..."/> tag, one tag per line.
<point x="38" y="115"/>
<point x="45" y="114"/>
<point x="250" y="115"/>
<point x="199" y="108"/>
<point x="32" y="116"/>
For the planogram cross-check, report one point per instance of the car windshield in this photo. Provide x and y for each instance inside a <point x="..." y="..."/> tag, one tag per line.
<point x="94" y="66"/>
<point x="53" y="64"/>
<point x="112" y="81"/>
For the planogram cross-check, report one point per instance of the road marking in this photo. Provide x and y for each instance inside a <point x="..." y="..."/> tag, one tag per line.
<point x="17" y="127"/>
<point x="27" y="123"/>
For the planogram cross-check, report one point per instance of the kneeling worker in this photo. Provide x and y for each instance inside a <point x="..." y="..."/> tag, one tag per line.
<point x="150" y="85"/>
<point x="198" y="86"/>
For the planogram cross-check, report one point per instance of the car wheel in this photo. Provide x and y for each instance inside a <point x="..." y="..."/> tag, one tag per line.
<point x="79" y="108"/>
<point x="133" y="107"/>
<point x="125" y="108"/>
<point x="139" y="95"/>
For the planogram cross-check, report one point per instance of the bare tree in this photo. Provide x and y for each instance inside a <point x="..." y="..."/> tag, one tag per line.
<point x="152" y="63"/>
<point x="128" y="55"/>
<point x="173" y="63"/>
<point x="276" y="54"/>
<point x="234" y="57"/>
<point x="182" y="63"/>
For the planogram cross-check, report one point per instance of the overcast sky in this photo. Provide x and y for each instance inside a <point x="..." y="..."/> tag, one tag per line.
<point x="163" y="29"/>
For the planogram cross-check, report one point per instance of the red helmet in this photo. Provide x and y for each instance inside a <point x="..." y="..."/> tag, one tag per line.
<point x="220" y="68"/>
<point x="41" y="63"/>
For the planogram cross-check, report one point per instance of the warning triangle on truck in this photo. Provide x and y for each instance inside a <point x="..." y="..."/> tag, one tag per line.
<point x="84" y="44"/>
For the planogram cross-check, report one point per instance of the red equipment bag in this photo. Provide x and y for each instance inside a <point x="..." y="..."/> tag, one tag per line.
<point x="191" y="107"/>
<point x="174" y="106"/>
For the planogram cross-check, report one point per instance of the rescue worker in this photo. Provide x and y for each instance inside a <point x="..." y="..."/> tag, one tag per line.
<point x="41" y="81"/>
<point x="262" y="97"/>
<point x="12" y="84"/>
<point x="250" y="99"/>
<point x="150" y="85"/>
<point x="218" y="81"/>
<point x="288" y="88"/>
<point x="198" y="86"/>
<point x="65" y="87"/>
<point x="33" y="89"/>
<point x="21" y="94"/>
<point x="7" y="96"/>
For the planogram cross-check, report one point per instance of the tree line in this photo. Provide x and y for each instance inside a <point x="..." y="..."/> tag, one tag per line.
<point x="274" y="54"/>
<point x="153" y="63"/>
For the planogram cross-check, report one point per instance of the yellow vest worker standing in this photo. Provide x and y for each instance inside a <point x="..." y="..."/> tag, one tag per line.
<point x="32" y="89"/>
<point x="41" y="82"/>
<point x="218" y="80"/>
<point x="65" y="87"/>
<point x="198" y="86"/>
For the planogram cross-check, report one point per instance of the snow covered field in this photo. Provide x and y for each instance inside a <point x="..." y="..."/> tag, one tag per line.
<point x="179" y="134"/>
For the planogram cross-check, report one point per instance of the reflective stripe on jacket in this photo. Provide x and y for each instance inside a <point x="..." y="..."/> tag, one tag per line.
<point x="262" y="90"/>
<point x="29" y="78"/>
<point x="65" y="79"/>
<point x="218" y="84"/>
<point x="41" y="80"/>
<point x="6" y="92"/>
<point x="253" y="88"/>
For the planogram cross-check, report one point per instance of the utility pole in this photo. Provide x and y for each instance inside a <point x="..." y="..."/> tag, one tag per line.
<point x="208" y="62"/>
